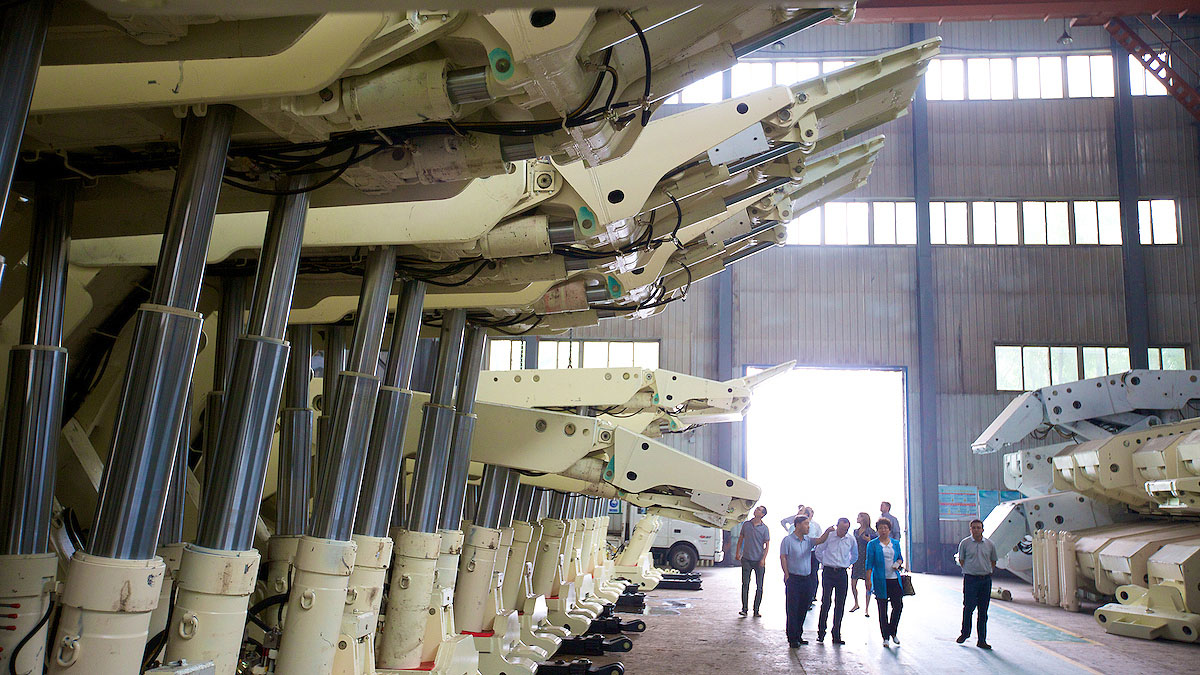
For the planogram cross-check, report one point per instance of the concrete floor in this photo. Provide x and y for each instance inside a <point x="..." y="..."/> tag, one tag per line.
<point x="701" y="632"/>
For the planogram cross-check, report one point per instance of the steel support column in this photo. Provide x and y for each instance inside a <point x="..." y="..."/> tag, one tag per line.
<point x="924" y="531"/>
<point x="22" y="34"/>
<point x="1133" y="262"/>
<point x="37" y="380"/>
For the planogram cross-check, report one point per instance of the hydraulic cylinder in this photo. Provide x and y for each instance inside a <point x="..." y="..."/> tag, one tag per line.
<point x="309" y="644"/>
<point x="419" y="543"/>
<point x="217" y="573"/>
<point x="112" y="588"/>
<point x="24" y="32"/>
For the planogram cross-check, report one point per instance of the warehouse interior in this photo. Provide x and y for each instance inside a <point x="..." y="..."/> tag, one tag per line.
<point x="475" y="335"/>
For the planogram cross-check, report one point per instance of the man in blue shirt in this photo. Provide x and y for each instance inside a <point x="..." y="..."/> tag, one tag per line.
<point x="795" y="554"/>
<point x="752" y="546"/>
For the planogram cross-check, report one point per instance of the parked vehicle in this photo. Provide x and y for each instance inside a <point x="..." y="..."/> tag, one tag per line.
<point x="679" y="544"/>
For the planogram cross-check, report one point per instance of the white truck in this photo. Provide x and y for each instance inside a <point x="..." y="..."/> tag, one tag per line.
<point x="680" y="545"/>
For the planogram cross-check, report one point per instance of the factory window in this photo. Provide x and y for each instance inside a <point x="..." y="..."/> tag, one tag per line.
<point x="1168" y="358"/>
<point x="846" y="224"/>
<point x="945" y="80"/>
<point x="894" y="223"/>
<point x="1028" y="367"/>
<point x="1039" y="77"/>
<point x="1157" y="222"/>
<point x="1089" y="76"/>
<point x="750" y="76"/>
<point x="989" y="79"/>
<point x="555" y="354"/>
<point x="1141" y="82"/>
<point x="1098" y="223"/>
<point x="1036" y="223"/>
<point x="707" y="90"/>
<point x="505" y="354"/>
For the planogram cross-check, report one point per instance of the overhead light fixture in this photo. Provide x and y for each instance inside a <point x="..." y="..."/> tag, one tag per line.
<point x="1065" y="39"/>
<point x="777" y="46"/>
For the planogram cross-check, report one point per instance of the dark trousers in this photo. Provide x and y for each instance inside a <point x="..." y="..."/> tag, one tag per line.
<point x="977" y="594"/>
<point x="835" y="582"/>
<point x="895" y="598"/>
<point x="749" y="566"/>
<point x="814" y="579"/>
<point x="797" y="601"/>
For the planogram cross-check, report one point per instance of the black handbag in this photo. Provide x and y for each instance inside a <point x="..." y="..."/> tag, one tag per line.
<point x="907" y="585"/>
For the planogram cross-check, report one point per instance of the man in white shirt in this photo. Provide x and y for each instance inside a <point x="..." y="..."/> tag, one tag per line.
<point x="837" y="555"/>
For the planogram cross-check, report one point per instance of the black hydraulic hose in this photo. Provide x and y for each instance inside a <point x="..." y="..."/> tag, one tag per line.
<point x="12" y="661"/>
<point x="646" y="58"/>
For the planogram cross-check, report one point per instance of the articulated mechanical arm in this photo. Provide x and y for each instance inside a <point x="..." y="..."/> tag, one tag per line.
<point x="648" y="402"/>
<point x="531" y="247"/>
<point x="1133" y="421"/>
<point x="600" y="459"/>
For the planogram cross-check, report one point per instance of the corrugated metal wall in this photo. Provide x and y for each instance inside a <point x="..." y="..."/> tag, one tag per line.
<point x="855" y="306"/>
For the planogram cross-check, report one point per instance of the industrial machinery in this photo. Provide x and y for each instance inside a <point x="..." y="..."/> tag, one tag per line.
<point x="1115" y="510"/>
<point x="492" y="170"/>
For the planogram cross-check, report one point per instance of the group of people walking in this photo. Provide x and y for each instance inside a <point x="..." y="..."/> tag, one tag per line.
<point x="835" y="559"/>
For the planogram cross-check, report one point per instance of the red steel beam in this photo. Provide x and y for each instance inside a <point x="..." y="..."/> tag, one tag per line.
<point x="1093" y="12"/>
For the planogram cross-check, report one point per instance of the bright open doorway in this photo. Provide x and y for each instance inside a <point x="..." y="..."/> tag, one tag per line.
<point x="833" y="439"/>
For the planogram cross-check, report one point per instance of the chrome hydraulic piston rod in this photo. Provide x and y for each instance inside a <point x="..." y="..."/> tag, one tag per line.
<point x="295" y="464"/>
<point x="455" y="488"/>
<point x="386" y="450"/>
<point x="112" y="588"/>
<point x="230" y="324"/>
<point x="337" y="352"/>
<point x="478" y="560"/>
<point x="218" y="572"/>
<point x="437" y="428"/>
<point x="22" y="33"/>
<point x="385" y="456"/>
<point x="33" y="419"/>
<point x="418" y="544"/>
<point x="325" y="555"/>
<point x="295" y="437"/>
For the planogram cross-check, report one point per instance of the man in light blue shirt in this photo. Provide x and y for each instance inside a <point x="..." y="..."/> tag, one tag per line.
<point x="795" y="555"/>
<point x="885" y="511"/>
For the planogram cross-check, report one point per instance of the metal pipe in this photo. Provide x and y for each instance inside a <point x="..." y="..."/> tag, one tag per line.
<point x="433" y="454"/>
<point x="37" y="380"/>
<point x="754" y="190"/>
<point x="781" y="150"/>
<point x="385" y="452"/>
<point x="516" y="148"/>
<point x="752" y="233"/>
<point x="491" y="496"/>
<point x="538" y="505"/>
<point x="464" y="427"/>
<point x="22" y="34"/>
<point x="746" y="253"/>
<point x="508" y="505"/>
<point x="350" y="425"/>
<point x="781" y="31"/>
<point x="229" y="511"/>
<point x="163" y="355"/>
<point x="558" y="505"/>
<point x="295" y="437"/>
